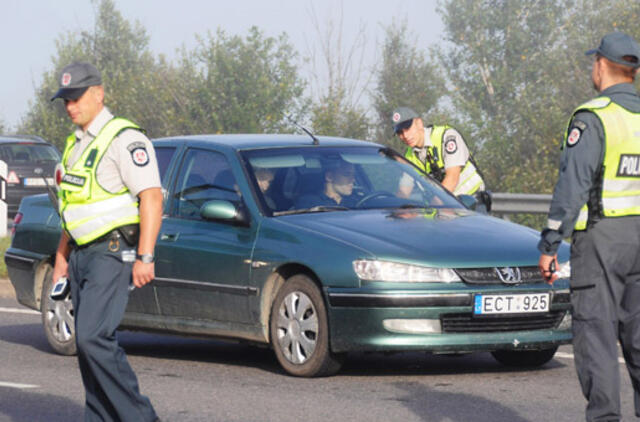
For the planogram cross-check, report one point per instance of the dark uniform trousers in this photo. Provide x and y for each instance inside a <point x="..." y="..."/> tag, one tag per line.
<point x="99" y="281"/>
<point x="605" y="294"/>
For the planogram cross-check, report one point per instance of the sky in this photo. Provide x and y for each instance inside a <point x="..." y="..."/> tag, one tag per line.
<point x="30" y="29"/>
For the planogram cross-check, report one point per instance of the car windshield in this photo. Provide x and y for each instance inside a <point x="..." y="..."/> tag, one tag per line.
<point x="319" y="179"/>
<point x="28" y="153"/>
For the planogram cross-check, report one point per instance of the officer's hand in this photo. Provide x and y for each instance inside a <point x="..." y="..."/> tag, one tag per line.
<point x="548" y="265"/>
<point x="142" y="273"/>
<point x="61" y="269"/>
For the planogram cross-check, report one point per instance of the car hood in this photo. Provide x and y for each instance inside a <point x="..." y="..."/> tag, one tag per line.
<point x="455" y="238"/>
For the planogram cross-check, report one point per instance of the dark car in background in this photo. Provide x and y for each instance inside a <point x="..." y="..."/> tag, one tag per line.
<point x="28" y="159"/>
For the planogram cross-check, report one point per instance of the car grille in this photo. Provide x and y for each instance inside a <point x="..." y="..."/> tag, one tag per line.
<point x="529" y="275"/>
<point x="467" y="323"/>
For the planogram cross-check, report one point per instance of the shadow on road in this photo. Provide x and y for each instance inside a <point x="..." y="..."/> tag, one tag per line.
<point x="439" y="406"/>
<point x="37" y="407"/>
<point x="27" y="335"/>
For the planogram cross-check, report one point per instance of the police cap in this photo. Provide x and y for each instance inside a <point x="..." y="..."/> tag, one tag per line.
<point x="615" y="46"/>
<point x="75" y="79"/>
<point x="401" y="117"/>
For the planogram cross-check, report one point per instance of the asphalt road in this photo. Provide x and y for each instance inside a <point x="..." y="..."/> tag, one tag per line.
<point x="202" y="380"/>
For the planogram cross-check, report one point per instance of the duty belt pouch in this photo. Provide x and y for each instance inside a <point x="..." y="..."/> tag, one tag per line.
<point x="130" y="234"/>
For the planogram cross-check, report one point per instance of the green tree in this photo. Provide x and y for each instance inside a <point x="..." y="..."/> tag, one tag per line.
<point x="517" y="70"/>
<point x="225" y="84"/>
<point x="131" y="76"/>
<point x="406" y="78"/>
<point x="234" y="84"/>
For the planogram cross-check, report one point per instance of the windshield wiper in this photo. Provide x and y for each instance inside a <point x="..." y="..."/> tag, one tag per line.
<point x="317" y="208"/>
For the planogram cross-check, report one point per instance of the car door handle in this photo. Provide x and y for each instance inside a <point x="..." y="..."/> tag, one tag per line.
<point x="169" y="237"/>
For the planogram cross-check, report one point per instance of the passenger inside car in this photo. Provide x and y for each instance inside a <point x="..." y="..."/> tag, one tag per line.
<point x="339" y="178"/>
<point x="265" y="176"/>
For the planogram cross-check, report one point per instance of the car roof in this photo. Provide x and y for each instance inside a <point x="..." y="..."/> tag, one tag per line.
<point x="22" y="139"/>
<point x="258" y="141"/>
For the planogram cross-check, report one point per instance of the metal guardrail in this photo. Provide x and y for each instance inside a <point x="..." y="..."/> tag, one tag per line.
<point x="515" y="203"/>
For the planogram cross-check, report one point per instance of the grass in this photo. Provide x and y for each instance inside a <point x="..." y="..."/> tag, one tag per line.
<point x="4" y="245"/>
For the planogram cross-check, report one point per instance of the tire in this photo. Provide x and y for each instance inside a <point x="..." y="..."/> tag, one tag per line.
<point x="300" y="331"/>
<point x="524" y="358"/>
<point x="57" y="319"/>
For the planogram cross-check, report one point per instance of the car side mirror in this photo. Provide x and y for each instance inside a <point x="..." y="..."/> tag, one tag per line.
<point x="225" y="211"/>
<point x="468" y="201"/>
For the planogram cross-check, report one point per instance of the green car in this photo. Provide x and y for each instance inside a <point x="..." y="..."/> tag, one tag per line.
<point x="319" y="248"/>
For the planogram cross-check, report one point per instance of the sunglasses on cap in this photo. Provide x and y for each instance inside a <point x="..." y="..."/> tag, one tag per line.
<point x="400" y="127"/>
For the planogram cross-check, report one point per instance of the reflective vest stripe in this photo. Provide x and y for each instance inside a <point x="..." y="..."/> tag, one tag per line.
<point x="97" y="226"/>
<point x="89" y="210"/>
<point x="621" y="204"/>
<point x="621" y="185"/>
<point x="470" y="181"/>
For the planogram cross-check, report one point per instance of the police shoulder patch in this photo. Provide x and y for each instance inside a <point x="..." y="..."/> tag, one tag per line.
<point x="574" y="136"/>
<point x="450" y="145"/>
<point x="139" y="153"/>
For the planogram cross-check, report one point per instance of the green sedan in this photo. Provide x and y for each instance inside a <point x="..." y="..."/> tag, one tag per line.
<point x="318" y="247"/>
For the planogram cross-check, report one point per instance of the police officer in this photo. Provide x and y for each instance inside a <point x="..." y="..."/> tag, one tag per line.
<point x="439" y="151"/>
<point x="111" y="206"/>
<point x="597" y="197"/>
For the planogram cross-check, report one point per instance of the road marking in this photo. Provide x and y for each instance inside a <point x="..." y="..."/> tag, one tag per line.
<point x="19" y="311"/>
<point x="15" y="385"/>
<point x="571" y="356"/>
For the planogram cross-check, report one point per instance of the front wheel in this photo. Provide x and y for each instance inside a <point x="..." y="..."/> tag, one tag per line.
<point x="300" y="331"/>
<point x="524" y="357"/>
<point x="57" y="319"/>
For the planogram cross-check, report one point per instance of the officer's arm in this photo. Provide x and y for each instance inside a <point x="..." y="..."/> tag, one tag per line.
<point x="578" y="170"/>
<point x="61" y="266"/>
<point x="455" y="155"/>
<point x="451" y="177"/>
<point x="150" y="222"/>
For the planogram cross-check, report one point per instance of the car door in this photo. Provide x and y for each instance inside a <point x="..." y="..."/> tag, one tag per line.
<point x="202" y="267"/>
<point x="143" y="301"/>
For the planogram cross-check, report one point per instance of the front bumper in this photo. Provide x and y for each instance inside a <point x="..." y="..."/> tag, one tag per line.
<point x="441" y="321"/>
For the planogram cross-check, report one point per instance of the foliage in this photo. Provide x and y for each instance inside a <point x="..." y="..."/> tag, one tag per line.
<point x="227" y="84"/>
<point x="231" y="85"/>
<point x="517" y="71"/>
<point x="405" y="78"/>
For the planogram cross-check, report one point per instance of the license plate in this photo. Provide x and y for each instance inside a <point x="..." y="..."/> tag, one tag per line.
<point x="37" y="181"/>
<point x="511" y="304"/>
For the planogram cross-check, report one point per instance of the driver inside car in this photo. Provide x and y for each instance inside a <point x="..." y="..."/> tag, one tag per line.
<point x="339" y="178"/>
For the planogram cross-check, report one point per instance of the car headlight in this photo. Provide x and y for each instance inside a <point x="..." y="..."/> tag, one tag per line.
<point x="565" y="270"/>
<point x="371" y="270"/>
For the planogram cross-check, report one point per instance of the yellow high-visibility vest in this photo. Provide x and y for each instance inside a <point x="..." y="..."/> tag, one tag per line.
<point x="620" y="191"/>
<point x="88" y="210"/>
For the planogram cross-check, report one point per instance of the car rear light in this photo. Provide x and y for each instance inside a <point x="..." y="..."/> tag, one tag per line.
<point x="16" y="220"/>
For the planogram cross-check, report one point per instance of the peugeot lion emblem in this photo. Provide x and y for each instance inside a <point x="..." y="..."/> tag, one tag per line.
<point x="509" y="275"/>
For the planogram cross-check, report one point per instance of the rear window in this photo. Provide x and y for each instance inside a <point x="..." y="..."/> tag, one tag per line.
<point x="28" y="153"/>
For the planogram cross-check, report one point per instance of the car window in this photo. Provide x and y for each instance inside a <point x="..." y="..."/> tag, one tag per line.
<point x="164" y="156"/>
<point x="204" y="176"/>
<point x="28" y="153"/>
<point x="339" y="178"/>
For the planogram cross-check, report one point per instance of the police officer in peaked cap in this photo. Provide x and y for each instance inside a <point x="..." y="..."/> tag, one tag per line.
<point x="111" y="206"/>
<point x="437" y="150"/>
<point x="596" y="200"/>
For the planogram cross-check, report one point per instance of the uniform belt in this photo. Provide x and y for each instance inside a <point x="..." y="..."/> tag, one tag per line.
<point x="124" y="232"/>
